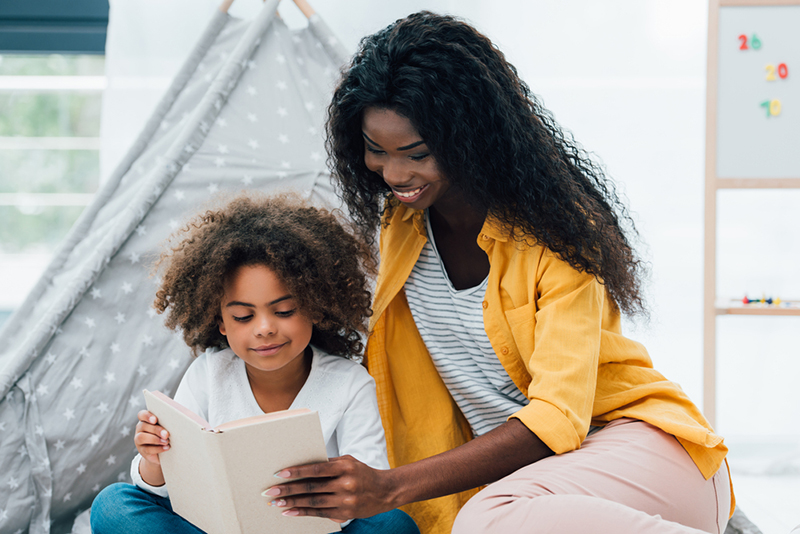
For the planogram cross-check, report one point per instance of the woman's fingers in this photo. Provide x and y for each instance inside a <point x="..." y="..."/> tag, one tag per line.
<point x="341" y="488"/>
<point x="332" y="468"/>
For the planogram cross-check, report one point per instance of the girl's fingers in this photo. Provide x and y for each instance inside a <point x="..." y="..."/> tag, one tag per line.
<point x="146" y="438"/>
<point x="147" y="417"/>
<point x="155" y="430"/>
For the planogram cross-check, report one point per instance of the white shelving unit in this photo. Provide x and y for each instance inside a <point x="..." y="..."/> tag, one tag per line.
<point x="753" y="62"/>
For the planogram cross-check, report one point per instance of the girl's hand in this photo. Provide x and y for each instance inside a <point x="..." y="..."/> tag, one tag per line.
<point x="150" y="438"/>
<point x="341" y="489"/>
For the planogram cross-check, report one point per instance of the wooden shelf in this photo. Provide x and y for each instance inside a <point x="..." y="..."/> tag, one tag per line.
<point x="757" y="183"/>
<point x="757" y="310"/>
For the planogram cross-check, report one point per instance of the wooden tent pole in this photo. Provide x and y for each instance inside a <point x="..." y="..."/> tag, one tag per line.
<point x="305" y="7"/>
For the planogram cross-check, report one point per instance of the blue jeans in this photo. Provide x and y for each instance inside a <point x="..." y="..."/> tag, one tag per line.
<point x="127" y="509"/>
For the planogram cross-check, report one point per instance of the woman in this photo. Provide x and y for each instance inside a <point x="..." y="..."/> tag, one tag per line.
<point x="505" y="267"/>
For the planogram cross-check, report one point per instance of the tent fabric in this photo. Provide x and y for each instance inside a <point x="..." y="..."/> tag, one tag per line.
<point x="244" y="113"/>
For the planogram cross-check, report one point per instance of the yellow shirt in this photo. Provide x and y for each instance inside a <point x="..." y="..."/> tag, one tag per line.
<point x="557" y="335"/>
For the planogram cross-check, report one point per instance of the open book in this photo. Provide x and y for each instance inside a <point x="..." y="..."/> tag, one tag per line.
<point x="215" y="476"/>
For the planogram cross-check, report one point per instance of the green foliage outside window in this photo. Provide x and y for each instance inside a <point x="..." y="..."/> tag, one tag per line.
<point x="46" y="113"/>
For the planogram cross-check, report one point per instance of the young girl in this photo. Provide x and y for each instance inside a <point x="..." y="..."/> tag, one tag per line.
<point x="277" y="291"/>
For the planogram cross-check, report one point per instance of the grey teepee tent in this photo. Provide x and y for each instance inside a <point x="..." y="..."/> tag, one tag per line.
<point x="244" y="112"/>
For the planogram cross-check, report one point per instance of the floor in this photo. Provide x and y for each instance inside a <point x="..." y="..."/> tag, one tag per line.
<point x="766" y="479"/>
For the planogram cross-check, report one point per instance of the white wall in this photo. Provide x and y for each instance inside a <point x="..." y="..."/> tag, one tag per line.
<point x="627" y="77"/>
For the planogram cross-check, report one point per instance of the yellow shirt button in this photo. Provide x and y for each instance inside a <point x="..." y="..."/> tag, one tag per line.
<point x="485" y="304"/>
<point x="504" y="350"/>
<point x="484" y="237"/>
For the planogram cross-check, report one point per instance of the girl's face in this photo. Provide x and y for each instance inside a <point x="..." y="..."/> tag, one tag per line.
<point x="261" y="321"/>
<point x="395" y="151"/>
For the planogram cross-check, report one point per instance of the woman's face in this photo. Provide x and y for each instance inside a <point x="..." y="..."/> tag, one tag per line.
<point x="395" y="151"/>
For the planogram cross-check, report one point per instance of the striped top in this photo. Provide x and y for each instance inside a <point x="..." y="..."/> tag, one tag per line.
<point x="450" y="322"/>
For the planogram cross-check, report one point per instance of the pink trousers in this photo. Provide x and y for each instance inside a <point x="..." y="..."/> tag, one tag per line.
<point x="629" y="477"/>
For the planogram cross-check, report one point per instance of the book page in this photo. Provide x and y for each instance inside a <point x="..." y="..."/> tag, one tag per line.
<point x="261" y="418"/>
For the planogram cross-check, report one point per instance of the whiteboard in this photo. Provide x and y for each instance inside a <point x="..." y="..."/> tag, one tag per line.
<point x="757" y="138"/>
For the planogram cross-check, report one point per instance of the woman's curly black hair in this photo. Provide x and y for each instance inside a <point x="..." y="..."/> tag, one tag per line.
<point x="319" y="262"/>
<point x="491" y="137"/>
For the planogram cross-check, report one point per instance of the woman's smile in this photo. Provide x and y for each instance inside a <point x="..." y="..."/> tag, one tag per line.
<point x="409" y="196"/>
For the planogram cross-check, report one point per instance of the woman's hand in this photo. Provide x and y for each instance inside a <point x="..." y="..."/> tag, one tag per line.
<point x="341" y="489"/>
<point x="151" y="439"/>
<point x="345" y="488"/>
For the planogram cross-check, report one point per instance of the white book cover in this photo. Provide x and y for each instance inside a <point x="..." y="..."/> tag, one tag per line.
<point x="215" y="476"/>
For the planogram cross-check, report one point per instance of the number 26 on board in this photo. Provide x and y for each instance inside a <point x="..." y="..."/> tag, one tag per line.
<point x="755" y="42"/>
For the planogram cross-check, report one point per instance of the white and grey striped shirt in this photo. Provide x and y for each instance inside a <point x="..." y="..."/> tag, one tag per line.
<point x="450" y="322"/>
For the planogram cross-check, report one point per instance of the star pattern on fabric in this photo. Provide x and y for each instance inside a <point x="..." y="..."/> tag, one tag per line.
<point x="246" y="144"/>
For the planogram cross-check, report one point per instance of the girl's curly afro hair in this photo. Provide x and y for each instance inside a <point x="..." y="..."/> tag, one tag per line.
<point x="491" y="137"/>
<point x="319" y="262"/>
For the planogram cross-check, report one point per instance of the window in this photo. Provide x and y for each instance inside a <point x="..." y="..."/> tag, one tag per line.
<point x="51" y="83"/>
<point x="49" y="160"/>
